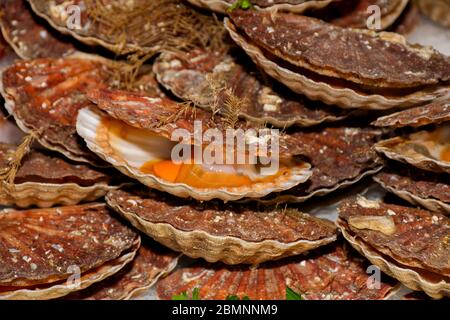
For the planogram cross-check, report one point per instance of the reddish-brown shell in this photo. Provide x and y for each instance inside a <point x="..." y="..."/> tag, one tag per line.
<point x="27" y="36"/>
<point x="45" y="95"/>
<point x="359" y="57"/>
<point x="40" y="246"/>
<point x="413" y="237"/>
<point x="222" y="232"/>
<point x="151" y="263"/>
<point x="201" y="76"/>
<point x="329" y="274"/>
<point x="339" y="156"/>
<point x="435" y="112"/>
<point x="427" y="189"/>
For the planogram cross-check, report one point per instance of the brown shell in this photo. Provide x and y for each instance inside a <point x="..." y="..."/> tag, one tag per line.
<point x="339" y="156"/>
<point x="389" y="64"/>
<point x="151" y="263"/>
<point x="129" y="26"/>
<point x="408" y="21"/>
<point x="45" y="95"/>
<point x="194" y="76"/>
<point x="437" y="10"/>
<point x="333" y="273"/>
<point x="296" y="6"/>
<point x="233" y="234"/>
<point x="9" y="132"/>
<point x="27" y="36"/>
<point x="355" y="14"/>
<point x="429" y="190"/>
<point x="427" y="150"/>
<point x="340" y="91"/>
<point x="45" y="180"/>
<point x="407" y="243"/>
<point x="435" y="112"/>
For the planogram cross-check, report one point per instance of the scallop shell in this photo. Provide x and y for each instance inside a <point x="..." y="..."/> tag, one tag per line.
<point x="357" y="16"/>
<point x="118" y="25"/>
<point x="46" y="181"/>
<point x="27" y="36"/>
<point x="427" y="150"/>
<point x="59" y="243"/>
<point x="437" y="10"/>
<point x="45" y="101"/>
<point x="331" y="273"/>
<point x="139" y="115"/>
<point x="339" y="157"/>
<point x="395" y="251"/>
<point x="194" y="76"/>
<point x="419" y="188"/>
<point x="344" y="97"/>
<point x="435" y="112"/>
<point x="150" y="264"/>
<point x="214" y="232"/>
<point x="296" y="6"/>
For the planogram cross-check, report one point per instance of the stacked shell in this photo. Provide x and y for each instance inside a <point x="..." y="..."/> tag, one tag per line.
<point x="212" y="135"/>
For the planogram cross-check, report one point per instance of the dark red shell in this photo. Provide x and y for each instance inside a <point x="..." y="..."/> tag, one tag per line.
<point x="27" y="35"/>
<point x="332" y="273"/>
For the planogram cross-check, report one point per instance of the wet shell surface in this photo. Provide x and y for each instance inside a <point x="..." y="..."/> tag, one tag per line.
<point x="45" y="247"/>
<point x="47" y="180"/>
<point x="296" y="6"/>
<point x="427" y="150"/>
<point x="232" y="234"/>
<point x="390" y="235"/>
<point x="150" y="264"/>
<point x="201" y="76"/>
<point x="356" y="14"/>
<point x="44" y="96"/>
<point x="437" y="10"/>
<point x="320" y="79"/>
<point x="431" y="191"/>
<point x="27" y="36"/>
<point x="140" y="146"/>
<point x="331" y="273"/>
<point x="339" y="157"/>
<point x="435" y="112"/>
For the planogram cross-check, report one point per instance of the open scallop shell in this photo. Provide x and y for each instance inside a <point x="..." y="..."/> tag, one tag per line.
<point x="142" y="140"/>
<point x="357" y="16"/>
<point x="388" y="235"/>
<point x="150" y="264"/>
<point x="329" y="93"/>
<point x="232" y="234"/>
<point x="201" y="76"/>
<point x="329" y="273"/>
<point x="424" y="189"/>
<point x="437" y="10"/>
<point x="82" y="241"/>
<point x="339" y="157"/>
<point x="27" y="37"/>
<point x="45" y="181"/>
<point x="296" y="6"/>
<point x="427" y="150"/>
<point x="435" y="112"/>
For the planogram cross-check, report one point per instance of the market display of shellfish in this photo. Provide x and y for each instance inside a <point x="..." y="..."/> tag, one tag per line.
<point x="390" y="237"/>
<point x="46" y="180"/>
<point x="41" y="248"/>
<point x="225" y="150"/>
<point x="216" y="232"/>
